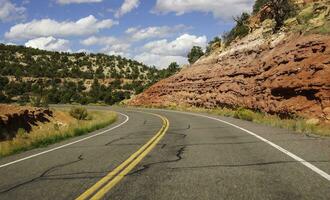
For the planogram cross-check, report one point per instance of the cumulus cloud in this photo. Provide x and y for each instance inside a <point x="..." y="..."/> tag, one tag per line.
<point x="162" y="52"/>
<point x="178" y="47"/>
<point x="48" y="27"/>
<point x="83" y="51"/>
<point x="111" y="45"/>
<point x="10" y="11"/>
<point x="99" y="41"/>
<point x="63" y="2"/>
<point x="127" y="7"/>
<point x="224" y="9"/>
<point x="118" y="53"/>
<point x="154" y="31"/>
<point x="119" y="48"/>
<point x="49" y="43"/>
<point x="159" y="61"/>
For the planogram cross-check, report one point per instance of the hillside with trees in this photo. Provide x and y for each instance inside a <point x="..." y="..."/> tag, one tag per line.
<point x="42" y="77"/>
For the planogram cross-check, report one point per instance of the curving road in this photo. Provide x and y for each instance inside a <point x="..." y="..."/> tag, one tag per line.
<point x="158" y="154"/>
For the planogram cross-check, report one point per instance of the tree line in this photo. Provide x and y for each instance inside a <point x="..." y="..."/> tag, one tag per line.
<point x="40" y="77"/>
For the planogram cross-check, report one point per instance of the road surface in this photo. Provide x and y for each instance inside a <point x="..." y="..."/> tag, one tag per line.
<point x="158" y="154"/>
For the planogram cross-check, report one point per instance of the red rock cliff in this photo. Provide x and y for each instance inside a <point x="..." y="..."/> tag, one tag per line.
<point x="290" y="76"/>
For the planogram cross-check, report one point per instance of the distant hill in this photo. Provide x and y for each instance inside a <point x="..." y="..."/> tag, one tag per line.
<point x="28" y="74"/>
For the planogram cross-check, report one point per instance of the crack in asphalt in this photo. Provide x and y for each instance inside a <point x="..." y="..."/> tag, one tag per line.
<point x="133" y="144"/>
<point x="220" y="143"/>
<point x="92" y="175"/>
<point x="179" y="156"/>
<point x="244" y="165"/>
<point x="182" y="129"/>
<point x="118" y="139"/>
<point x="43" y="176"/>
<point x="175" y="133"/>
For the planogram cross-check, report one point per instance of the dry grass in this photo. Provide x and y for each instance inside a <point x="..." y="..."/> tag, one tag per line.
<point x="63" y="126"/>
<point x="296" y="124"/>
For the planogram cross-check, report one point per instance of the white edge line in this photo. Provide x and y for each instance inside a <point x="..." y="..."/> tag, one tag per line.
<point x="295" y="157"/>
<point x="65" y="145"/>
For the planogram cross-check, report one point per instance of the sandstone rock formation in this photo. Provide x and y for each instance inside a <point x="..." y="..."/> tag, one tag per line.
<point x="289" y="75"/>
<point x="14" y="117"/>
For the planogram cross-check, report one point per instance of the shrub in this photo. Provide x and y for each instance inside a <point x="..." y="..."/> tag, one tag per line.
<point x="79" y="113"/>
<point x="195" y="53"/>
<point x="56" y="127"/>
<point x="216" y="42"/>
<point x="240" y="30"/>
<point x="38" y="101"/>
<point x="244" y="114"/>
<point x="21" y="133"/>
<point x="258" y="5"/>
<point x="281" y="10"/>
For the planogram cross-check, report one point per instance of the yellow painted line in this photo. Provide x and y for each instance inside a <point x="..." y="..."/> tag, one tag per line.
<point x="118" y="173"/>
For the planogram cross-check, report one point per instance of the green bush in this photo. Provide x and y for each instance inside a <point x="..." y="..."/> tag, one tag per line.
<point x="21" y="133"/>
<point x="216" y="42"/>
<point x="38" y="101"/>
<point x="244" y="114"/>
<point x="195" y="53"/>
<point x="258" y="5"/>
<point x="240" y="30"/>
<point x="79" y="113"/>
<point x="281" y="11"/>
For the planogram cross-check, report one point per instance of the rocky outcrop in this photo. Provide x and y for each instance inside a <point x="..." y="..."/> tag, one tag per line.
<point x="289" y="75"/>
<point x="14" y="117"/>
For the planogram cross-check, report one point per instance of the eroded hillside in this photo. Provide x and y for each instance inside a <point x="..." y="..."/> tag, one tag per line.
<point x="287" y="73"/>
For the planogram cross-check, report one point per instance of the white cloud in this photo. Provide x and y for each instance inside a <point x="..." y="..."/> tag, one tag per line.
<point x="48" y="27"/>
<point x="178" y="47"/>
<point x="63" y="2"/>
<point x="162" y="52"/>
<point x="119" y="53"/>
<point x="127" y="7"/>
<point x="158" y="60"/>
<point x="49" y="43"/>
<point x="83" y="51"/>
<point x="120" y="48"/>
<point x="111" y="45"/>
<point x="224" y="9"/>
<point x="154" y="31"/>
<point x="99" y="41"/>
<point x="9" y="11"/>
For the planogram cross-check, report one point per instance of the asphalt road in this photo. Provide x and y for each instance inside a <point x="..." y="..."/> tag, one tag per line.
<point x="196" y="158"/>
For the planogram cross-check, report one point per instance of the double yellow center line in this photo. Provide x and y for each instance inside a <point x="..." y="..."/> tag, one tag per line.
<point x="99" y="189"/>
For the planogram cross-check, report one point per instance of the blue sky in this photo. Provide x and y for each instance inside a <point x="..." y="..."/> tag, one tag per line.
<point x="155" y="32"/>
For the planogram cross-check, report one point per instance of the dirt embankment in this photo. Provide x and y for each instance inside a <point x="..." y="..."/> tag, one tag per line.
<point x="287" y="76"/>
<point x="14" y="117"/>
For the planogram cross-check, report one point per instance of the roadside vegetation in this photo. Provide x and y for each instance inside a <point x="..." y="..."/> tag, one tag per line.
<point x="296" y="124"/>
<point x="65" y="124"/>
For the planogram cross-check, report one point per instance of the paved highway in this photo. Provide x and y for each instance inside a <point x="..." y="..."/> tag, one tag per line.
<point x="158" y="154"/>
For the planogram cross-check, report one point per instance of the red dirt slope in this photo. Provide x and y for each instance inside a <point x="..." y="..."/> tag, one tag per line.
<point x="290" y="77"/>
